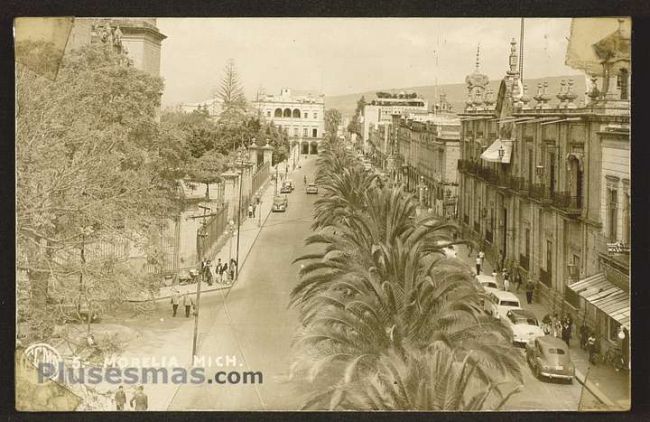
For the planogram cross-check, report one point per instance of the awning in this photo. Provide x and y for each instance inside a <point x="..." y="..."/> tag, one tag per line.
<point x="606" y="297"/>
<point x="492" y="153"/>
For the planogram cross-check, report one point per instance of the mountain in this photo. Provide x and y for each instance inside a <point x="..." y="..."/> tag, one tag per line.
<point x="456" y="93"/>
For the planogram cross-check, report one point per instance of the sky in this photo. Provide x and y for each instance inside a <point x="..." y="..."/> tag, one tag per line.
<point x="338" y="56"/>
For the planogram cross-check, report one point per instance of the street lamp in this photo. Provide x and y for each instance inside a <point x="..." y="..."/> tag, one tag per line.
<point x="240" y="162"/>
<point x="539" y="170"/>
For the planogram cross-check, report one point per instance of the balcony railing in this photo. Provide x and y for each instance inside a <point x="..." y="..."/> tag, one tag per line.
<point x="545" y="277"/>
<point x="524" y="261"/>
<point x="538" y="191"/>
<point x="566" y="201"/>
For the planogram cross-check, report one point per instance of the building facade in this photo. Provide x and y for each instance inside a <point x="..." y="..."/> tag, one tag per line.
<point x="302" y="115"/>
<point x="541" y="188"/>
<point x="381" y="109"/>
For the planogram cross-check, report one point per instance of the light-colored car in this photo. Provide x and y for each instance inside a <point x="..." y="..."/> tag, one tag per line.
<point x="549" y="357"/>
<point x="525" y="326"/>
<point x="500" y="302"/>
<point x="286" y="188"/>
<point x="487" y="282"/>
<point x="312" y="188"/>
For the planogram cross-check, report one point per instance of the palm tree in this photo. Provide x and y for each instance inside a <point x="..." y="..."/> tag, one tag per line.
<point x="382" y="288"/>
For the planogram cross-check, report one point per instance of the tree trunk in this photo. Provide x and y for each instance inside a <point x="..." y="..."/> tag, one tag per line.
<point x="38" y="321"/>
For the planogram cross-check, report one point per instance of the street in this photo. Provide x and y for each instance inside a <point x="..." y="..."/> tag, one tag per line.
<point x="252" y="321"/>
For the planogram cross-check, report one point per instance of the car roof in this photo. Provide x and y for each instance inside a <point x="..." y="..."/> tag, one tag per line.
<point x="523" y="313"/>
<point x="502" y="294"/>
<point x="552" y="341"/>
<point x="484" y="277"/>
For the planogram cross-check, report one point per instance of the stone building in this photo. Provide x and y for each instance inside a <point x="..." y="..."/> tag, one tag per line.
<point x="544" y="187"/>
<point x="301" y="114"/>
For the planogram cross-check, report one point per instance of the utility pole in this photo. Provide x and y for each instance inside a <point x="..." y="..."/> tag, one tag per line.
<point x="276" y="179"/>
<point x="241" y="180"/>
<point x="202" y="234"/>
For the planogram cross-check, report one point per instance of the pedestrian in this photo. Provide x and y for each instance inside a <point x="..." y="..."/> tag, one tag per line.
<point x="566" y="331"/>
<point x="234" y="271"/>
<point x="530" y="288"/>
<point x="478" y="265"/>
<point x="305" y="179"/>
<point x="175" y="301"/>
<point x="140" y="398"/>
<point x="187" y="302"/>
<point x="516" y="279"/>
<point x="208" y="272"/>
<point x="546" y="324"/>
<point x="250" y="211"/>
<point x="254" y="208"/>
<point x="481" y="256"/>
<point x="557" y="328"/>
<point x="591" y="348"/>
<point x="218" y="272"/>
<point x="224" y="270"/>
<point x="506" y="281"/>
<point x="120" y="398"/>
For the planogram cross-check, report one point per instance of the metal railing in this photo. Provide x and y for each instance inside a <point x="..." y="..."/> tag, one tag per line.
<point x="213" y="229"/>
<point x="566" y="201"/>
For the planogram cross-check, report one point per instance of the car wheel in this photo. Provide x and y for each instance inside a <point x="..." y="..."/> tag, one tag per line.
<point x="571" y="381"/>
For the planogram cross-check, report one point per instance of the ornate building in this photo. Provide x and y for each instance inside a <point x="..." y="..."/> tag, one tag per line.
<point x="301" y="115"/>
<point x="539" y="192"/>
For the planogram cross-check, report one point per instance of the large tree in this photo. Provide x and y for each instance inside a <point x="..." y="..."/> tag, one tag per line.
<point x="231" y="94"/>
<point x="332" y="121"/>
<point x="90" y="173"/>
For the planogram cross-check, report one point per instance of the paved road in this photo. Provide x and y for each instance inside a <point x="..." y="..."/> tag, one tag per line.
<point x="252" y="322"/>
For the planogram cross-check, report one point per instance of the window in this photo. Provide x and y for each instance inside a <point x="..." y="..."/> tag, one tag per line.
<point x="627" y="222"/>
<point x="549" y="257"/>
<point x="295" y="132"/>
<point x="314" y="133"/>
<point x="268" y="113"/>
<point x="612" y="329"/>
<point x="527" y="240"/>
<point x="530" y="165"/>
<point x="612" y="213"/>
<point x="305" y="132"/>
<point x="278" y="112"/>
<point x="306" y="115"/>
<point x="315" y="115"/>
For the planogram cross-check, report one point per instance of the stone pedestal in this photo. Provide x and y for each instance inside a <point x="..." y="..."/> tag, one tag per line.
<point x="268" y="153"/>
<point x="231" y="192"/>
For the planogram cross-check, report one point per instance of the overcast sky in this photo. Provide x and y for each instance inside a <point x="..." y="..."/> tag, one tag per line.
<point x="341" y="56"/>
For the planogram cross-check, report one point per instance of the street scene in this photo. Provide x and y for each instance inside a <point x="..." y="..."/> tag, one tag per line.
<point x="439" y="221"/>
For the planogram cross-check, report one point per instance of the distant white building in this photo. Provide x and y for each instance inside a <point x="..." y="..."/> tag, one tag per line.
<point x="381" y="109"/>
<point x="213" y="106"/>
<point x="301" y="114"/>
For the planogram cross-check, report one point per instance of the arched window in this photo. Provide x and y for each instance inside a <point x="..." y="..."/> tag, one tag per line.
<point x="296" y="113"/>
<point x="278" y="112"/>
<point x="287" y="112"/>
<point x="622" y="79"/>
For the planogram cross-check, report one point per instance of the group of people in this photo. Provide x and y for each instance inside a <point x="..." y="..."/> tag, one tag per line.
<point x="558" y="327"/>
<point x="223" y="272"/>
<point x="187" y="300"/>
<point x="139" y="401"/>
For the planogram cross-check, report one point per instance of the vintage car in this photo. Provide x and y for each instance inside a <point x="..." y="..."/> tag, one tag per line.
<point x="312" y="188"/>
<point x="500" y="302"/>
<point x="524" y="325"/>
<point x="290" y="183"/>
<point x="286" y="188"/>
<point x="487" y="282"/>
<point x="549" y="357"/>
<point x="280" y="204"/>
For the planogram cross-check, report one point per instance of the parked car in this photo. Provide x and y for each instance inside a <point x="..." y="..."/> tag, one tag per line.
<point x="280" y="203"/>
<point x="487" y="282"/>
<point x="549" y="357"/>
<point x="290" y="183"/>
<point x="500" y="302"/>
<point x="312" y="188"/>
<point x="525" y="326"/>
<point x="286" y="188"/>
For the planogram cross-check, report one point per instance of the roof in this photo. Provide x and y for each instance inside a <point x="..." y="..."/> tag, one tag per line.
<point x="523" y="312"/>
<point x="601" y="293"/>
<point x="549" y="340"/>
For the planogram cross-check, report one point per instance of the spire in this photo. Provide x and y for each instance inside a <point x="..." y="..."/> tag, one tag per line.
<point x="478" y="55"/>
<point x="513" y="58"/>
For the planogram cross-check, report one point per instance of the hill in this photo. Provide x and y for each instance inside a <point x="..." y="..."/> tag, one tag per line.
<point x="456" y="93"/>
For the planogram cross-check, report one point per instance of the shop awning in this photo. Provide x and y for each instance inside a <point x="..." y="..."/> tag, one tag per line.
<point x="492" y="153"/>
<point x="605" y="296"/>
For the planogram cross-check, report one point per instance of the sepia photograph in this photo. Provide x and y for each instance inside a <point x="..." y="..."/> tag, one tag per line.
<point x="322" y="214"/>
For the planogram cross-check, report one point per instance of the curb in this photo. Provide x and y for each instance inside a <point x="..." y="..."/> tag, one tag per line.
<point x="595" y="391"/>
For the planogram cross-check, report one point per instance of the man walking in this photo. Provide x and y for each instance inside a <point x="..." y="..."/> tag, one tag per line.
<point x="530" y="287"/>
<point x="218" y="270"/>
<point x="478" y="265"/>
<point x="175" y="300"/>
<point x="481" y="256"/>
<point x="140" y="398"/>
<point x="250" y="211"/>
<point x="207" y="271"/>
<point x="506" y="281"/>
<point x="120" y="398"/>
<point x="233" y="268"/>
<point x="188" y="302"/>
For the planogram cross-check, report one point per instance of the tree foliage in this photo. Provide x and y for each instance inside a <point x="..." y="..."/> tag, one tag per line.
<point x="231" y="93"/>
<point x="90" y="164"/>
<point x="389" y="322"/>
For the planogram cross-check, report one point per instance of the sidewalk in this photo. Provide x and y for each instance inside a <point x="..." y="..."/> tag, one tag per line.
<point x="603" y="381"/>
<point x="248" y="232"/>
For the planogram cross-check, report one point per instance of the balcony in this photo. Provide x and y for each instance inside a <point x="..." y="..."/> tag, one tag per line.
<point x="545" y="277"/>
<point x="567" y="202"/>
<point x="524" y="261"/>
<point x="538" y="191"/>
